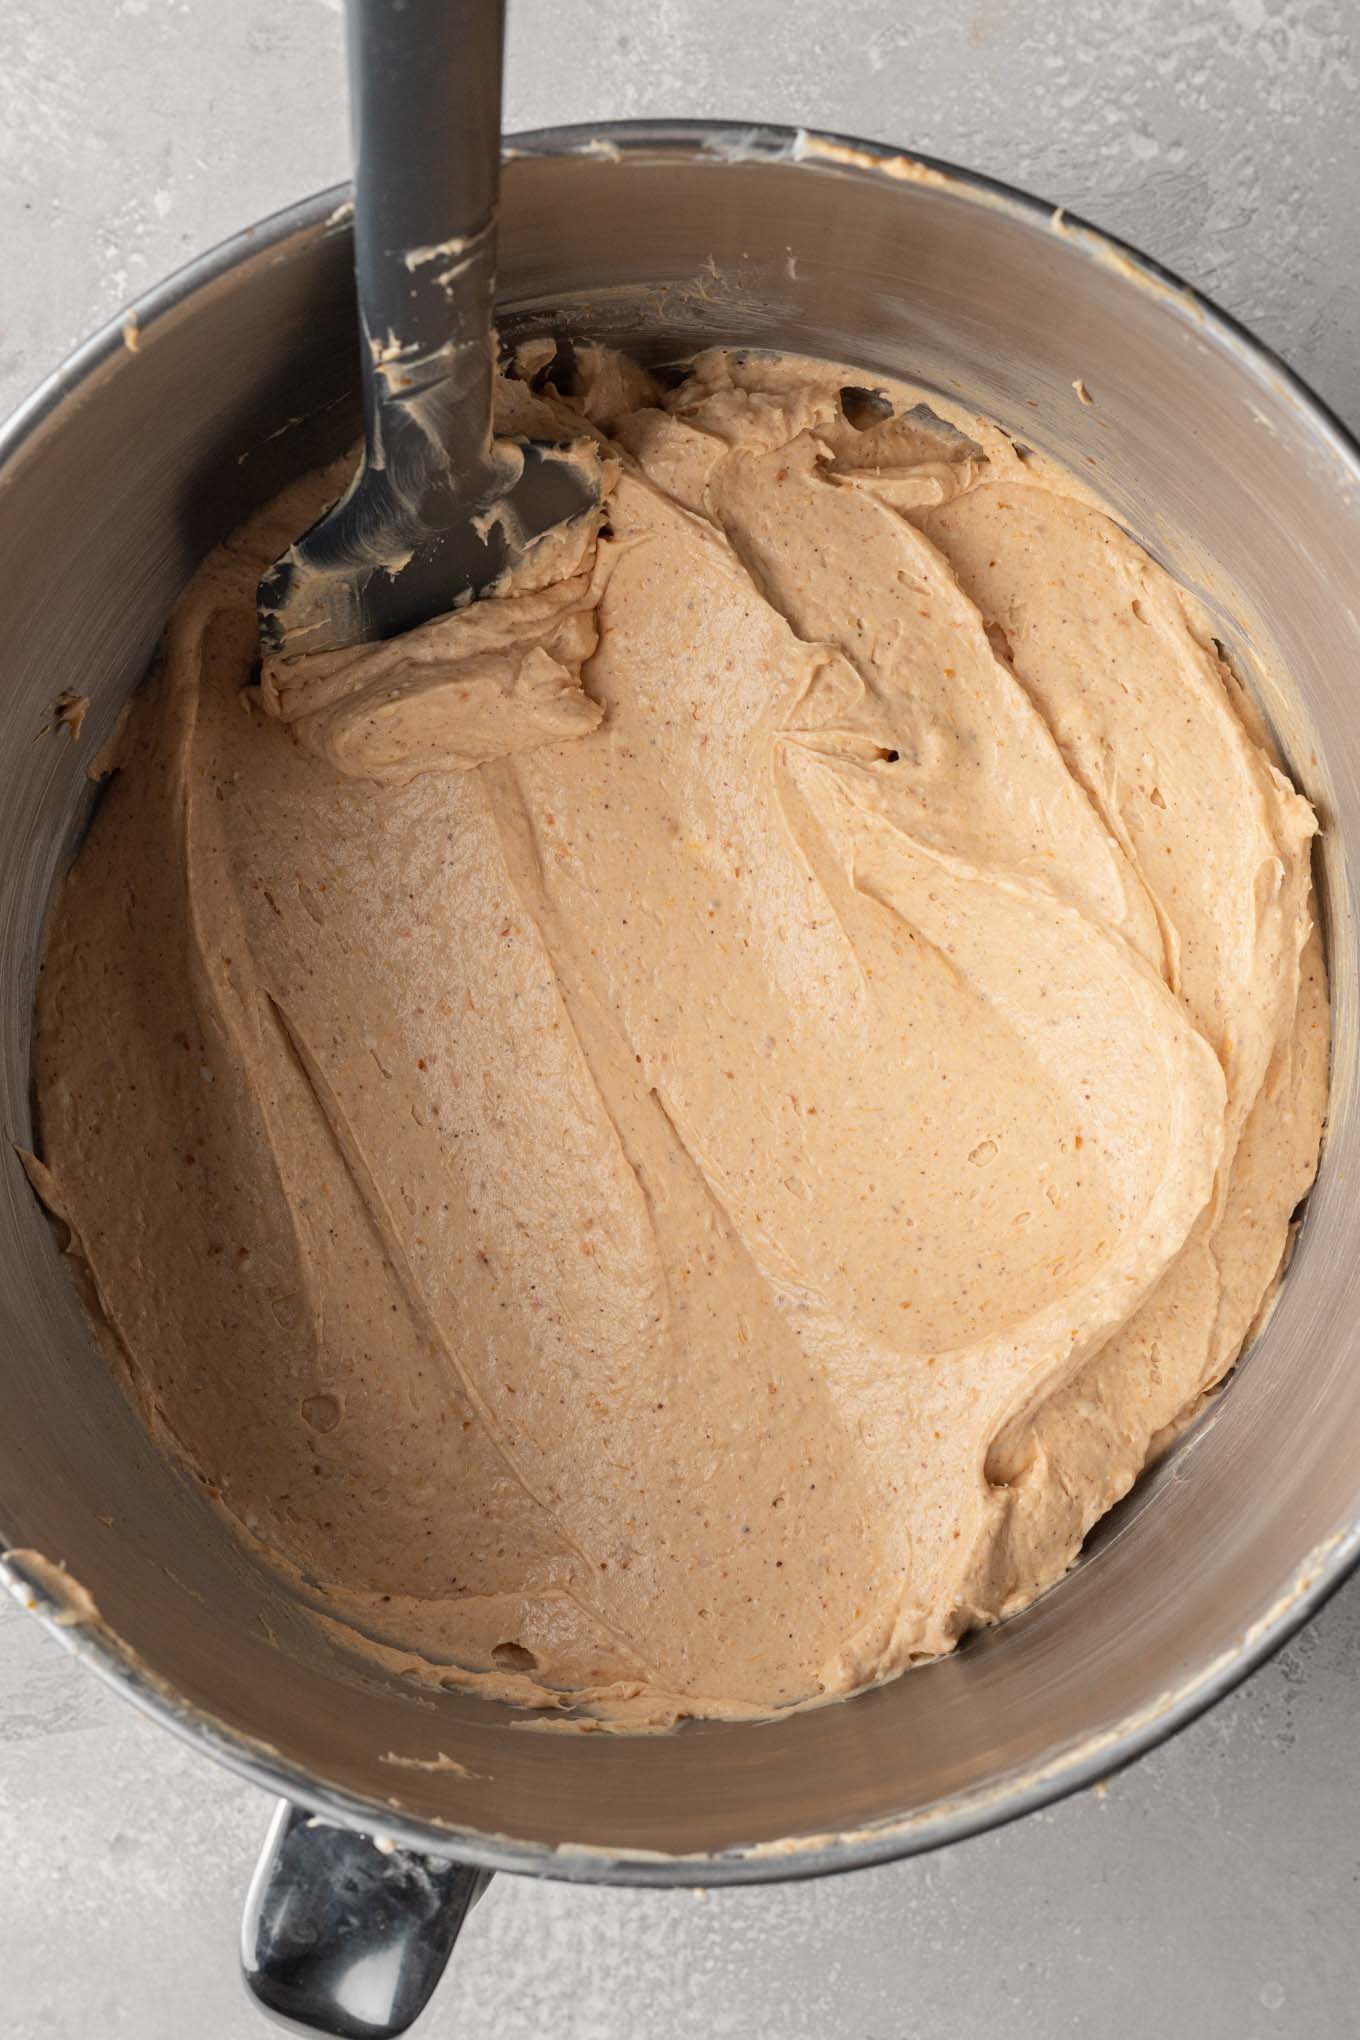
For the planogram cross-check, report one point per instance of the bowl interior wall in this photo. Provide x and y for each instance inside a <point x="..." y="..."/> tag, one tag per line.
<point x="105" y="510"/>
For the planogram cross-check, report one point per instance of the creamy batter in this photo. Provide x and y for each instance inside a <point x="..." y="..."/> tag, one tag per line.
<point x="670" y="1141"/>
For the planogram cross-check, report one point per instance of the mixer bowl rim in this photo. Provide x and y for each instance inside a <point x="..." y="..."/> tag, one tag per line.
<point x="1318" y="1573"/>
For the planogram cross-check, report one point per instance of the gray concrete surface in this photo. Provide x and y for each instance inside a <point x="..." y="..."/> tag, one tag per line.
<point x="1213" y="1893"/>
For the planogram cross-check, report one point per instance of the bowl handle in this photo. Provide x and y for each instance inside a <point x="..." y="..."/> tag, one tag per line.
<point x="345" y="1935"/>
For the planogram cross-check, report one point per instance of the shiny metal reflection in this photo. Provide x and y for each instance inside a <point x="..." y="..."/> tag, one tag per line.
<point x="347" y="1936"/>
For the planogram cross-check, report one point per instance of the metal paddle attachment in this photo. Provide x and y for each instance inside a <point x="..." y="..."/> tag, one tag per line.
<point x="439" y="509"/>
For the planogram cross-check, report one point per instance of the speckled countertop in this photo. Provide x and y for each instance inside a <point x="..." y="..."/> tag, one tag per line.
<point x="1213" y="1892"/>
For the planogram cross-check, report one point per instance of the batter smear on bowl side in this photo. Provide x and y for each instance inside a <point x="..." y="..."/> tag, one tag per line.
<point x="670" y="1141"/>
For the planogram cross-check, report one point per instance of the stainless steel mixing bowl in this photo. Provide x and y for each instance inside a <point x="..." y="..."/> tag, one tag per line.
<point x="161" y="435"/>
